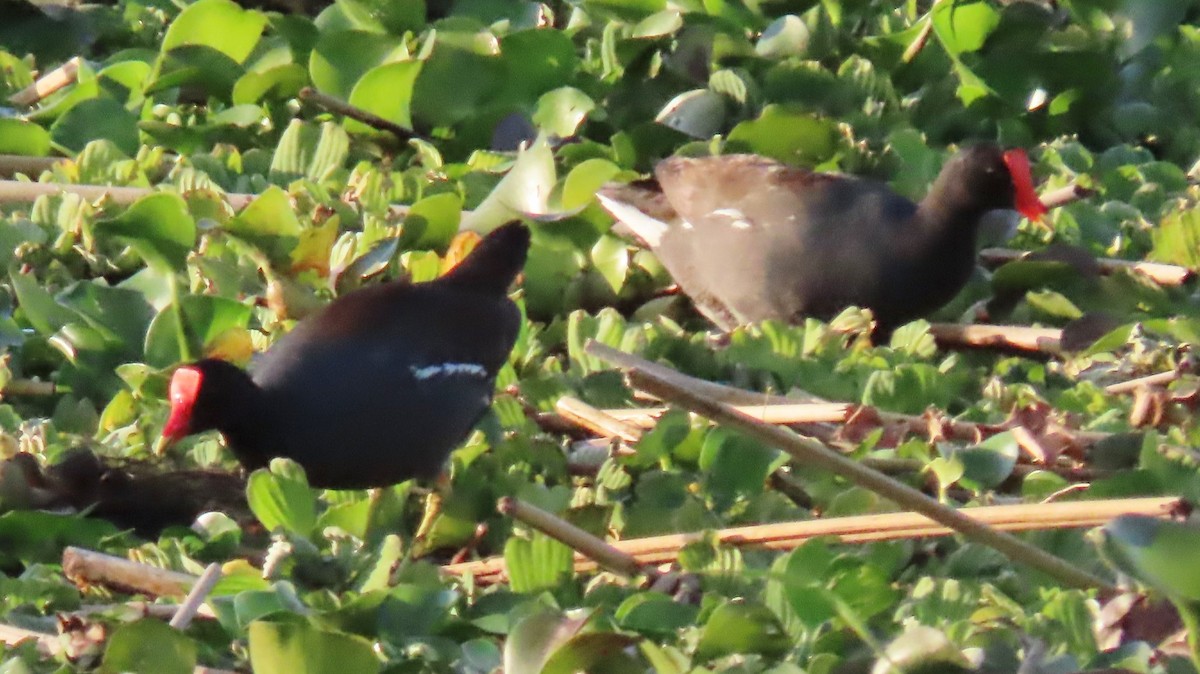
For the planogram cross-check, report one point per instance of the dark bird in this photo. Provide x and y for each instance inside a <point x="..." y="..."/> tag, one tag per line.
<point x="749" y="239"/>
<point x="376" y="388"/>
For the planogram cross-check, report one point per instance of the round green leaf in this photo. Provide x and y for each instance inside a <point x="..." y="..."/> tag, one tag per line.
<point x="93" y="119"/>
<point x="149" y="645"/>
<point x="340" y="58"/>
<point x="280" y="498"/>
<point x="789" y="136"/>
<point x="18" y="136"/>
<point x="159" y="227"/>
<point x="218" y="24"/>
<point x="742" y="627"/>
<point x="300" y="648"/>
<point x="387" y="92"/>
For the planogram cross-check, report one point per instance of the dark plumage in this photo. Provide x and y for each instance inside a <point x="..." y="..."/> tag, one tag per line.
<point x="753" y="239"/>
<point x="378" y="386"/>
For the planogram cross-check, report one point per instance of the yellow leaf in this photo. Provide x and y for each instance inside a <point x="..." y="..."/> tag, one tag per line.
<point x="312" y="251"/>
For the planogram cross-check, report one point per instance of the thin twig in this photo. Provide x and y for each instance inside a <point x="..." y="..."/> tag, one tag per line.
<point x="1016" y="337"/>
<point x="1065" y="195"/>
<point x="47" y="84"/>
<point x="340" y="107"/>
<point x="89" y="567"/>
<point x="1148" y="381"/>
<point x="597" y="421"/>
<point x="577" y="539"/>
<point x="196" y="596"/>
<point x="141" y="608"/>
<point x="29" y="387"/>
<point x="12" y="164"/>
<point x="1159" y="272"/>
<point x="819" y="410"/>
<point x="811" y="452"/>
<point x="857" y="529"/>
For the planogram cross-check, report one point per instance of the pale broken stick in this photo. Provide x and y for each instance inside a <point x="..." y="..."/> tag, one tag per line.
<point x="1017" y="337"/>
<point x="1159" y="272"/>
<point x="808" y="451"/>
<point x="1148" y="381"/>
<point x="656" y="550"/>
<point x="47" y="84"/>
<point x="89" y="567"/>
<point x="196" y="596"/>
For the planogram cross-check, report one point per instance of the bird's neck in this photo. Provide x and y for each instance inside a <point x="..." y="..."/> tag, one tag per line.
<point x="245" y="423"/>
<point x="950" y="209"/>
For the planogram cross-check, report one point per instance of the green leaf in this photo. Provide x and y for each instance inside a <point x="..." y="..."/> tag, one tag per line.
<point x="387" y="92"/>
<point x="1177" y="238"/>
<point x="699" y="113"/>
<point x="990" y="462"/>
<point x="204" y="318"/>
<point x="39" y="307"/>
<point x="537" y="563"/>
<point x="455" y="83"/>
<point x="535" y="637"/>
<point x="300" y="648"/>
<point x="579" y="189"/>
<point x="270" y="215"/>
<point x="789" y="136"/>
<point x="786" y="36"/>
<point x="964" y="25"/>
<point x="93" y="119"/>
<point x="610" y="256"/>
<point x="280" y="498"/>
<point x="742" y="627"/>
<point x="218" y="24"/>
<point x="309" y="151"/>
<point x="341" y="58"/>
<point x="560" y="112"/>
<point x="433" y="221"/>
<point x="654" y="613"/>
<point x="277" y="83"/>
<point x="149" y="645"/>
<point x="586" y="652"/>
<point x="734" y="465"/>
<point x="524" y="190"/>
<point x="158" y="227"/>
<point x="18" y="136"/>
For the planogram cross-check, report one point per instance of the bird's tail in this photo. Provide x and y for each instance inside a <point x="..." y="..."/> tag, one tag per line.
<point x="496" y="261"/>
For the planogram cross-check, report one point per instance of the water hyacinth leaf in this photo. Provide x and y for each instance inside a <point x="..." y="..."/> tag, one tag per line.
<point x="610" y="256"/>
<point x="591" y="652"/>
<point x="269" y="216"/>
<point x="1177" y="239"/>
<point x="94" y="119"/>
<point x="579" y="189"/>
<point x="538" y="61"/>
<point x="38" y="306"/>
<point x="922" y="648"/>
<point x="149" y="645"/>
<point x="1150" y="550"/>
<point x="788" y="136"/>
<point x="432" y="222"/>
<point x="280" y="498"/>
<point x="385" y="91"/>
<point x="990" y="462"/>
<point x="629" y="10"/>
<point x="535" y="637"/>
<point x="662" y="23"/>
<point x="699" y="113"/>
<point x="456" y="82"/>
<point x="158" y="227"/>
<point x="537" y="563"/>
<point x="276" y="83"/>
<point x="301" y="648"/>
<point x="18" y="136"/>
<point x="651" y="612"/>
<point x="786" y="36"/>
<point x="742" y="627"/>
<point x="341" y="57"/>
<point x="205" y="319"/>
<point x="219" y="24"/>
<point x="309" y="151"/>
<point x="735" y="465"/>
<point x="524" y="189"/>
<point x="964" y="25"/>
<point x="560" y="112"/>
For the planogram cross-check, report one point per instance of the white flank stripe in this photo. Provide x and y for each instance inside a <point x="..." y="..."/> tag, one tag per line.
<point x="448" y="370"/>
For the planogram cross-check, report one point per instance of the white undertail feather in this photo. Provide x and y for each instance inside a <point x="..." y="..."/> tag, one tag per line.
<point x="649" y="230"/>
